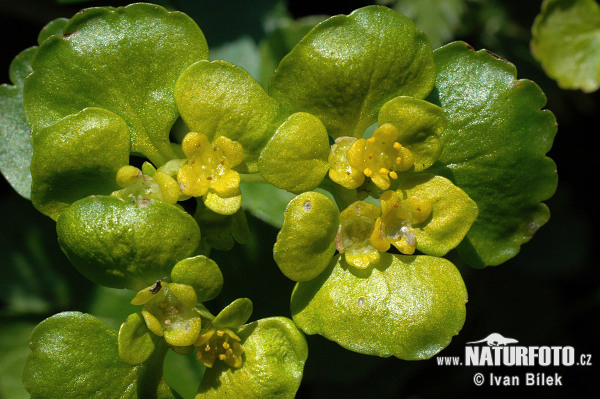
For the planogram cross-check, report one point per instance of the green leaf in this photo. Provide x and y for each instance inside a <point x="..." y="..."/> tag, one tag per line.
<point x="494" y="149"/>
<point x="74" y="355"/>
<point x="234" y="315"/>
<point x="135" y="341"/>
<point x="419" y="125"/>
<point x="404" y="306"/>
<point x="566" y="40"/>
<point x="220" y="99"/>
<point x="201" y="273"/>
<point x="76" y="157"/>
<point x="15" y="146"/>
<point x="295" y="158"/>
<point x="306" y="242"/>
<point x="125" y="60"/>
<point x="274" y="355"/>
<point x="52" y="28"/>
<point x="347" y="67"/>
<point x="126" y="244"/>
<point x="453" y="212"/>
<point x="280" y="41"/>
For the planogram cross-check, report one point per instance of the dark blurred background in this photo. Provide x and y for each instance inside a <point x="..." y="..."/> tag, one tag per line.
<point x="548" y="295"/>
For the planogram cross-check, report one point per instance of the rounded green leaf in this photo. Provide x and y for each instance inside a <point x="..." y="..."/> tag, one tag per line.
<point x="135" y="341"/>
<point x="494" y="149"/>
<point x="75" y="355"/>
<point x="126" y="244"/>
<point x="220" y="99"/>
<point x="15" y="144"/>
<point x="347" y="67"/>
<point x="404" y="306"/>
<point x="234" y="315"/>
<point x="452" y="215"/>
<point x="295" y="158"/>
<point x="306" y="241"/>
<point x="200" y="272"/>
<point x="274" y="355"/>
<point x="566" y="40"/>
<point x="76" y="157"/>
<point x="125" y="60"/>
<point x="420" y="125"/>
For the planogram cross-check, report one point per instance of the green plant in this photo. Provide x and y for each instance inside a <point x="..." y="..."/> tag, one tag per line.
<point x="398" y="158"/>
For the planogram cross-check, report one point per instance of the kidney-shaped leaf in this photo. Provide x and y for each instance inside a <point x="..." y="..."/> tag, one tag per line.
<point x="494" y="149"/>
<point x="306" y="241"/>
<point x="75" y="355"/>
<point x="295" y="158"/>
<point x="126" y="244"/>
<point x="274" y="355"/>
<point x="404" y="306"/>
<point x="347" y="67"/>
<point x="123" y="59"/>
<point x="76" y="157"/>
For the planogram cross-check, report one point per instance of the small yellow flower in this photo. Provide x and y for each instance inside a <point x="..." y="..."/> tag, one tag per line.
<point x="169" y="312"/>
<point x="357" y="222"/>
<point x="394" y="227"/>
<point x="220" y="344"/>
<point x="136" y="184"/>
<point x="208" y="172"/>
<point x="380" y="156"/>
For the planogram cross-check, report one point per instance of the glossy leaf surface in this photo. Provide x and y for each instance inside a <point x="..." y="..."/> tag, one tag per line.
<point x="74" y="355"/>
<point x="404" y="306"/>
<point x="306" y="241"/>
<point x="123" y="59"/>
<point x="295" y="158"/>
<point x="494" y="149"/>
<point x="126" y="244"/>
<point x="76" y="157"/>
<point x="347" y="67"/>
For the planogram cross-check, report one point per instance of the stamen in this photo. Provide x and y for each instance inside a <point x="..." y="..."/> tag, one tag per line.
<point x="368" y="172"/>
<point x="397" y="146"/>
<point x="393" y="175"/>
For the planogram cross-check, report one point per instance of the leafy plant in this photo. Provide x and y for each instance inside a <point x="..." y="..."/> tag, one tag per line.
<point x="379" y="160"/>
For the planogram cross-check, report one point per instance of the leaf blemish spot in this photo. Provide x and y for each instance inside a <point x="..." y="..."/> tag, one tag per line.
<point x="307" y="206"/>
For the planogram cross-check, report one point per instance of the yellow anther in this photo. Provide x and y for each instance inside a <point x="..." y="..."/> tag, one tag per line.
<point x="393" y="175"/>
<point x="220" y="333"/>
<point x="398" y="160"/>
<point x="222" y="356"/>
<point x="226" y="345"/>
<point x="229" y="352"/>
<point x="207" y="348"/>
<point x="368" y="172"/>
<point x="397" y="146"/>
<point x="384" y="171"/>
<point x="371" y="140"/>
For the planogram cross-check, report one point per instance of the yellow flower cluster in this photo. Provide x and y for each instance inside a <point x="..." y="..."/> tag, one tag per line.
<point x="378" y="158"/>
<point x="366" y="229"/>
<point x="208" y="172"/>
